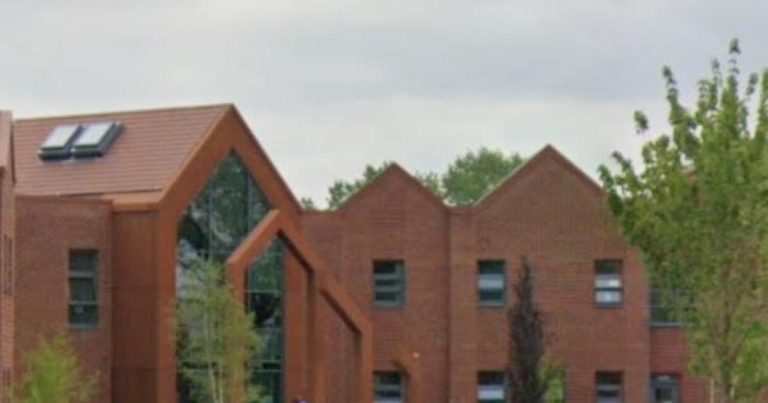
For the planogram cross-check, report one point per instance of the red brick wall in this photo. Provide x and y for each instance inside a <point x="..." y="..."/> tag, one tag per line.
<point x="394" y="222"/>
<point x="46" y="230"/>
<point x="551" y="213"/>
<point x="7" y="286"/>
<point x="670" y="355"/>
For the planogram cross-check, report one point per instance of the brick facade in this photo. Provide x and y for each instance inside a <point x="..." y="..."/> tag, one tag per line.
<point x="548" y="211"/>
<point x="47" y="230"/>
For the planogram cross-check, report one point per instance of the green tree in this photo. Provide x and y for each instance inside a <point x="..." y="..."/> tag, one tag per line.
<point x="53" y="374"/>
<point x="472" y="175"/>
<point x="529" y="377"/>
<point x="217" y="339"/>
<point x="468" y="178"/>
<point x="308" y="204"/>
<point x="341" y="190"/>
<point x="698" y="213"/>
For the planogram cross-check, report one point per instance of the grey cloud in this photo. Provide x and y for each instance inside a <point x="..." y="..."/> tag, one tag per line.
<point x="366" y="78"/>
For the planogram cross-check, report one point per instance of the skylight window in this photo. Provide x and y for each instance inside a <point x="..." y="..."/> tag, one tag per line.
<point x="59" y="142"/>
<point x="96" y="139"/>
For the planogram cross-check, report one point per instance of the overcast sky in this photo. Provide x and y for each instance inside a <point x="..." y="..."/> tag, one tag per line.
<point x="331" y="85"/>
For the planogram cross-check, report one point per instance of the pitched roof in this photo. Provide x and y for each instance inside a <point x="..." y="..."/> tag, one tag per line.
<point x="548" y="152"/>
<point x="146" y="156"/>
<point x="393" y="170"/>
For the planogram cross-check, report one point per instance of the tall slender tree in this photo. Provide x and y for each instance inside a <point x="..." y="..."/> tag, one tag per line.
<point x="217" y="339"/>
<point x="529" y="342"/>
<point x="697" y="210"/>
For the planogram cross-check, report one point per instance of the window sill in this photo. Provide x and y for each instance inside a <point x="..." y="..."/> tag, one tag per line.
<point x="388" y="306"/>
<point x="84" y="327"/>
<point x="609" y="306"/>
<point x="492" y="306"/>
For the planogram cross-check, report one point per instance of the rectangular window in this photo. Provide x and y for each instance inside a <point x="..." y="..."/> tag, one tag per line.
<point x="389" y="283"/>
<point x="492" y="282"/>
<point x="609" y="286"/>
<point x="388" y="387"/>
<point x="663" y="306"/>
<point x="83" y="293"/>
<point x="664" y="389"/>
<point x="609" y="387"/>
<point x="491" y="387"/>
<point x="8" y="265"/>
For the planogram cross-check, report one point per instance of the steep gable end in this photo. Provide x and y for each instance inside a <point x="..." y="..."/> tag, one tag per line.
<point x="547" y="157"/>
<point x="394" y="175"/>
<point x="230" y="134"/>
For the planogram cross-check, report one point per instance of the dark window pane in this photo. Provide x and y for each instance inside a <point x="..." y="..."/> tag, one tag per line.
<point x="269" y="383"/>
<point x="272" y="344"/>
<point x="609" y="283"/>
<point x="492" y="297"/>
<point x="385" y="296"/>
<point x="265" y="301"/>
<point x="83" y="260"/>
<point x="83" y="314"/>
<point x="608" y="267"/>
<point x="388" y="387"/>
<point x="221" y="215"/>
<point x="492" y="282"/>
<point x="609" y="387"/>
<point x="664" y="389"/>
<point x="265" y="308"/>
<point x="82" y="290"/>
<point x="83" y="293"/>
<point x="491" y="266"/>
<point x="491" y="387"/>
<point x="386" y="266"/>
<point x="388" y="282"/>
<point x="667" y="306"/>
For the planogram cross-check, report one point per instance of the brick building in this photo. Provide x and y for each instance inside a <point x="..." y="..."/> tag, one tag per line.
<point x="394" y="297"/>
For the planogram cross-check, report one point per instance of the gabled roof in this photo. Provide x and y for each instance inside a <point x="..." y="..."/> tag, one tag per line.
<point x="145" y="158"/>
<point x="393" y="170"/>
<point x="549" y="152"/>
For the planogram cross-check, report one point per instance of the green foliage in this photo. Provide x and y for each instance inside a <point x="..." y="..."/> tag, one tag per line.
<point x="431" y="181"/>
<point x="553" y="375"/>
<point x="468" y="178"/>
<point x="697" y="211"/>
<point x="474" y="174"/>
<point x="341" y="190"/>
<point x="217" y="340"/>
<point x="308" y="204"/>
<point x="53" y="374"/>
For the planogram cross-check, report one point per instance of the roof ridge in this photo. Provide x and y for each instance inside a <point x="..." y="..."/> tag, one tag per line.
<point x="547" y="151"/>
<point x="393" y="167"/>
<point x="130" y="111"/>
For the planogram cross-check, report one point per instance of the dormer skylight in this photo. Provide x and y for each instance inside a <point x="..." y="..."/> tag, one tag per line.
<point x="79" y="140"/>
<point x="58" y="143"/>
<point x="96" y="139"/>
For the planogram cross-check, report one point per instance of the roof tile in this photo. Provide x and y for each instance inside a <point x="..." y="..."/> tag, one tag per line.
<point x="152" y="147"/>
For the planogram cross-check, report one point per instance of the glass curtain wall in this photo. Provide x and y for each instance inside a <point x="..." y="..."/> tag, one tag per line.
<point x="213" y="226"/>
<point x="264" y="299"/>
